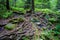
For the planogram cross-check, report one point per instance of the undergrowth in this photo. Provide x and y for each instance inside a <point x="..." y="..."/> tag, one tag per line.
<point x="6" y="14"/>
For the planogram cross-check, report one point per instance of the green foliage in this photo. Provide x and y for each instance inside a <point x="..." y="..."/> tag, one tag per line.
<point x="52" y="34"/>
<point x="58" y="12"/>
<point x="20" y="3"/>
<point x="27" y="4"/>
<point x="25" y="38"/>
<point x="41" y="4"/>
<point x="6" y="14"/>
<point x="58" y="26"/>
<point x="2" y="7"/>
<point x="19" y="10"/>
<point x="46" y="11"/>
<point x="49" y="35"/>
<point x="50" y="4"/>
<point x="53" y="4"/>
<point x="17" y="3"/>
<point x="52" y="19"/>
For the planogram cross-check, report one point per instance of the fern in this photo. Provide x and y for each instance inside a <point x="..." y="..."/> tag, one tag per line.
<point x="53" y="4"/>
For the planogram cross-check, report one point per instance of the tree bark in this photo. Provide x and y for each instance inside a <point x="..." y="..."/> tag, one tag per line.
<point x="7" y="5"/>
<point x="32" y="6"/>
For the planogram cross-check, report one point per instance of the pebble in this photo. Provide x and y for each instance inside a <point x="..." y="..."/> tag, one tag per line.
<point x="1" y="28"/>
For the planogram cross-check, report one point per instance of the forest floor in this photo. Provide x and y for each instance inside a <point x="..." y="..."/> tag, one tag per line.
<point x="32" y="25"/>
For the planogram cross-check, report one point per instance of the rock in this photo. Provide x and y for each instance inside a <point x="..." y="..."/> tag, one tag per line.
<point x="34" y="20"/>
<point x="38" y="23"/>
<point x="1" y="28"/>
<point x="10" y="26"/>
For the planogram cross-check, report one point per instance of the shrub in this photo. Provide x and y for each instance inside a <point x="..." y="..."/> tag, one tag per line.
<point x="5" y="14"/>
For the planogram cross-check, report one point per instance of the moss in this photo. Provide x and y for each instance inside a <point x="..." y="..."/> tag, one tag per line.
<point x="10" y="26"/>
<point x="20" y="10"/>
<point x="46" y="11"/>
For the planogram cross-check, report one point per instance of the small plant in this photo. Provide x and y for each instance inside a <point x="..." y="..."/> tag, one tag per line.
<point x="25" y="38"/>
<point x="49" y="35"/>
<point x="52" y="19"/>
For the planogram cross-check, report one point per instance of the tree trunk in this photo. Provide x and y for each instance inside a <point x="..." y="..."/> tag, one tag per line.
<point x="7" y="5"/>
<point x="32" y="6"/>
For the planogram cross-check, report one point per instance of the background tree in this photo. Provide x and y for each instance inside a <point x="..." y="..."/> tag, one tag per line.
<point x="32" y="7"/>
<point x="58" y="5"/>
<point x="7" y="5"/>
<point x="29" y="4"/>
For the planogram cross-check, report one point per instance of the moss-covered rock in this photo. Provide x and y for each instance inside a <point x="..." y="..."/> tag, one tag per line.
<point x="10" y="26"/>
